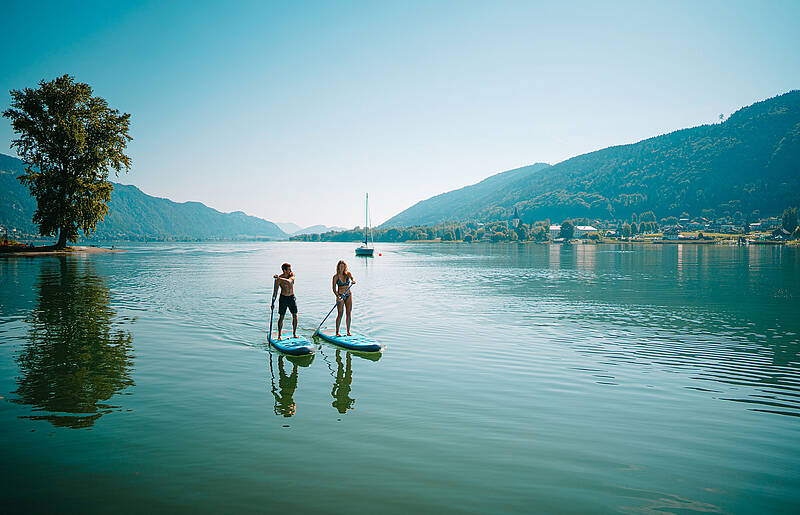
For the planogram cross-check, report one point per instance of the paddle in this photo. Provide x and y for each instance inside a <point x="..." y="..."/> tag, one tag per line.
<point x="272" y="308"/>
<point x="341" y="298"/>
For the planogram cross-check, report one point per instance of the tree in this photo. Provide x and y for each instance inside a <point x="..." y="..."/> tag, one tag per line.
<point x="626" y="230"/>
<point x="789" y="219"/>
<point x="70" y="141"/>
<point x="540" y="234"/>
<point x="567" y="230"/>
<point x="647" y="216"/>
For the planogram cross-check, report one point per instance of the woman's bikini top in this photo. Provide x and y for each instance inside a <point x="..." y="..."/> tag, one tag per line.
<point x="340" y="283"/>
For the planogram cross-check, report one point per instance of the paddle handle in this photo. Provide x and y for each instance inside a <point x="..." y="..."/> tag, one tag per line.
<point x="341" y="297"/>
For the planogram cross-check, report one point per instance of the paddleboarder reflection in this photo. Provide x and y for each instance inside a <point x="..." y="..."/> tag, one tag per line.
<point x="341" y="386"/>
<point x="284" y="394"/>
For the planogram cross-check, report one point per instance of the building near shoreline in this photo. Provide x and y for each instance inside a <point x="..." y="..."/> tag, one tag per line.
<point x="580" y="230"/>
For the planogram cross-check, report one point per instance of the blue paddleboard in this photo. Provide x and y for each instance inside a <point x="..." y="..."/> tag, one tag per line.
<point x="355" y="342"/>
<point x="299" y="346"/>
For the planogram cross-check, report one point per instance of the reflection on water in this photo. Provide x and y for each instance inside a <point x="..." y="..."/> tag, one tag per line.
<point x="579" y="379"/>
<point x="287" y="383"/>
<point x="76" y="358"/>
<point x="342" y="384"/>
<point x="284" y="389"/>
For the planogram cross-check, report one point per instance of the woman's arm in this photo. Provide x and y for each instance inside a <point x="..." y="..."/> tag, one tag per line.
<point x="352" y="279"/>
<point x="333" y="285"/>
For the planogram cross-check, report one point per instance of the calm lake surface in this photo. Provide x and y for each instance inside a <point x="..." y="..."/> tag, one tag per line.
<point x="515" y="378"/>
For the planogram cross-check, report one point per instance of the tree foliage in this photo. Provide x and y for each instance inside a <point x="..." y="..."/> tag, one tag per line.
<point x="789" y="219"/>
<point x="70" y="142"/>
<point x="567" y="230"/>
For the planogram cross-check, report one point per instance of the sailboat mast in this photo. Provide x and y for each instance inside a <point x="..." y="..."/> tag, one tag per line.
<point x="366" y="220"/>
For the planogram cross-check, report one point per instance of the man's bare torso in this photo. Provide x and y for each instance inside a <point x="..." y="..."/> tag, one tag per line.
<point x="287" y="287"/>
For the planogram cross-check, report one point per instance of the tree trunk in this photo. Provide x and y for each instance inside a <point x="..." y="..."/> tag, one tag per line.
<point x="62" y="238"/>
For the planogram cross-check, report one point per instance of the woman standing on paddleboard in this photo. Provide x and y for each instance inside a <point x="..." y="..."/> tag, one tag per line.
<point x="342" y="280"/>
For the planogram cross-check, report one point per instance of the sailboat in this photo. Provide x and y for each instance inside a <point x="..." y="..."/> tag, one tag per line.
<point x="365" y="249"/>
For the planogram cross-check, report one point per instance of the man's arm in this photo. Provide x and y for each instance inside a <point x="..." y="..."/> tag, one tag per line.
<point x="288" y="281"/>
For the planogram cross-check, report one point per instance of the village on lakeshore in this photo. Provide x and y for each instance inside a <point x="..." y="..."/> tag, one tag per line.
<point x="725" y="230"/>
<point x="728" y="229"/>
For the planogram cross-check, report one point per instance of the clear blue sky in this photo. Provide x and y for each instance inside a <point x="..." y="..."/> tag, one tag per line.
<point x="291" y="111"/>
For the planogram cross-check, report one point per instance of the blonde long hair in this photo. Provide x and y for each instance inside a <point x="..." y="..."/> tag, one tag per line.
<point x="341" y="262"/>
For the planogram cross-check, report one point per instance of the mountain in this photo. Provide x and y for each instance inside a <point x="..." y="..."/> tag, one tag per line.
<point x="135" y="215"/>
<point x="293" y="229"/>
<point x="462" y="203"/>
<point x="317" y="229"/>
<point x="288" y="227"/>
<point x="751" y="161"/>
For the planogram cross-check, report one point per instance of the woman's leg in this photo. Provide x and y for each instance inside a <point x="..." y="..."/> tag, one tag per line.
<point x="349" y="305"/>
<point x="339" y="309"/>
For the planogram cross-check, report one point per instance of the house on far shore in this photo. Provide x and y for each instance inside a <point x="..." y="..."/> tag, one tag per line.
<point x="671" y="232"/>
<point x="580" y="230"/>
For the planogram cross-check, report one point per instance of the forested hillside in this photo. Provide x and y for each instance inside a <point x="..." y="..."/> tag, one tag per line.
<point x="135" y="215"/>
<point x="751" y="161"/>
<point x="461" y="203"/>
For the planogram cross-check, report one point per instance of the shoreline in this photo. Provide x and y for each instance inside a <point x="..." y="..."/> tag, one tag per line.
<point x="49" y="251"/>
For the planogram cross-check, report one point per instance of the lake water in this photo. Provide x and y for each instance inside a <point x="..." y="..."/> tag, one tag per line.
<point x="515" y="378"/>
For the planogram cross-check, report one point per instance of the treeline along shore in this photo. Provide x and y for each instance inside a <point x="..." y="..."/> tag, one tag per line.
<point x="643" y="227"/>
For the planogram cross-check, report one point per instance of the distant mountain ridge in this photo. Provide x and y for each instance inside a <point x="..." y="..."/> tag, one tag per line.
<point x="288" y="227"/>
<point x="751" y="161"/>
<point x="292" y="229"/>
<point x="135" y="215"/>
<point x="317" y="229"/>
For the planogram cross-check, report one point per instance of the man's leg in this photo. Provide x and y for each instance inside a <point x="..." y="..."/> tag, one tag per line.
<point x="280" y="326"/>
<point x="294" y="325"/>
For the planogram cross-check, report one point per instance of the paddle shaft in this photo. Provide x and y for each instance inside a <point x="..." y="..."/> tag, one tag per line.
<point x="341" y="298"/>
<point x="272" y="308"/>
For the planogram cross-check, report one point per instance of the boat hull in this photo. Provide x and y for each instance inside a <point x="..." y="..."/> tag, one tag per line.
<point x="361" y="251"/>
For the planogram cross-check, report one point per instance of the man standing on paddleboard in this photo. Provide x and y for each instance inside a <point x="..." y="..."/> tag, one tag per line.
<point x="287" y="299"/>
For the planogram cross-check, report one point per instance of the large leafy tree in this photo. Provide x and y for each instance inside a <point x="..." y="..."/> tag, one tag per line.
<point x="70" y="142"/>
<point x="789" y="219"/>
<point x="567" y="230"/>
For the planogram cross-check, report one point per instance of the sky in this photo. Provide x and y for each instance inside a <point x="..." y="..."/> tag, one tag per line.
<point x="292" y="111"/>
